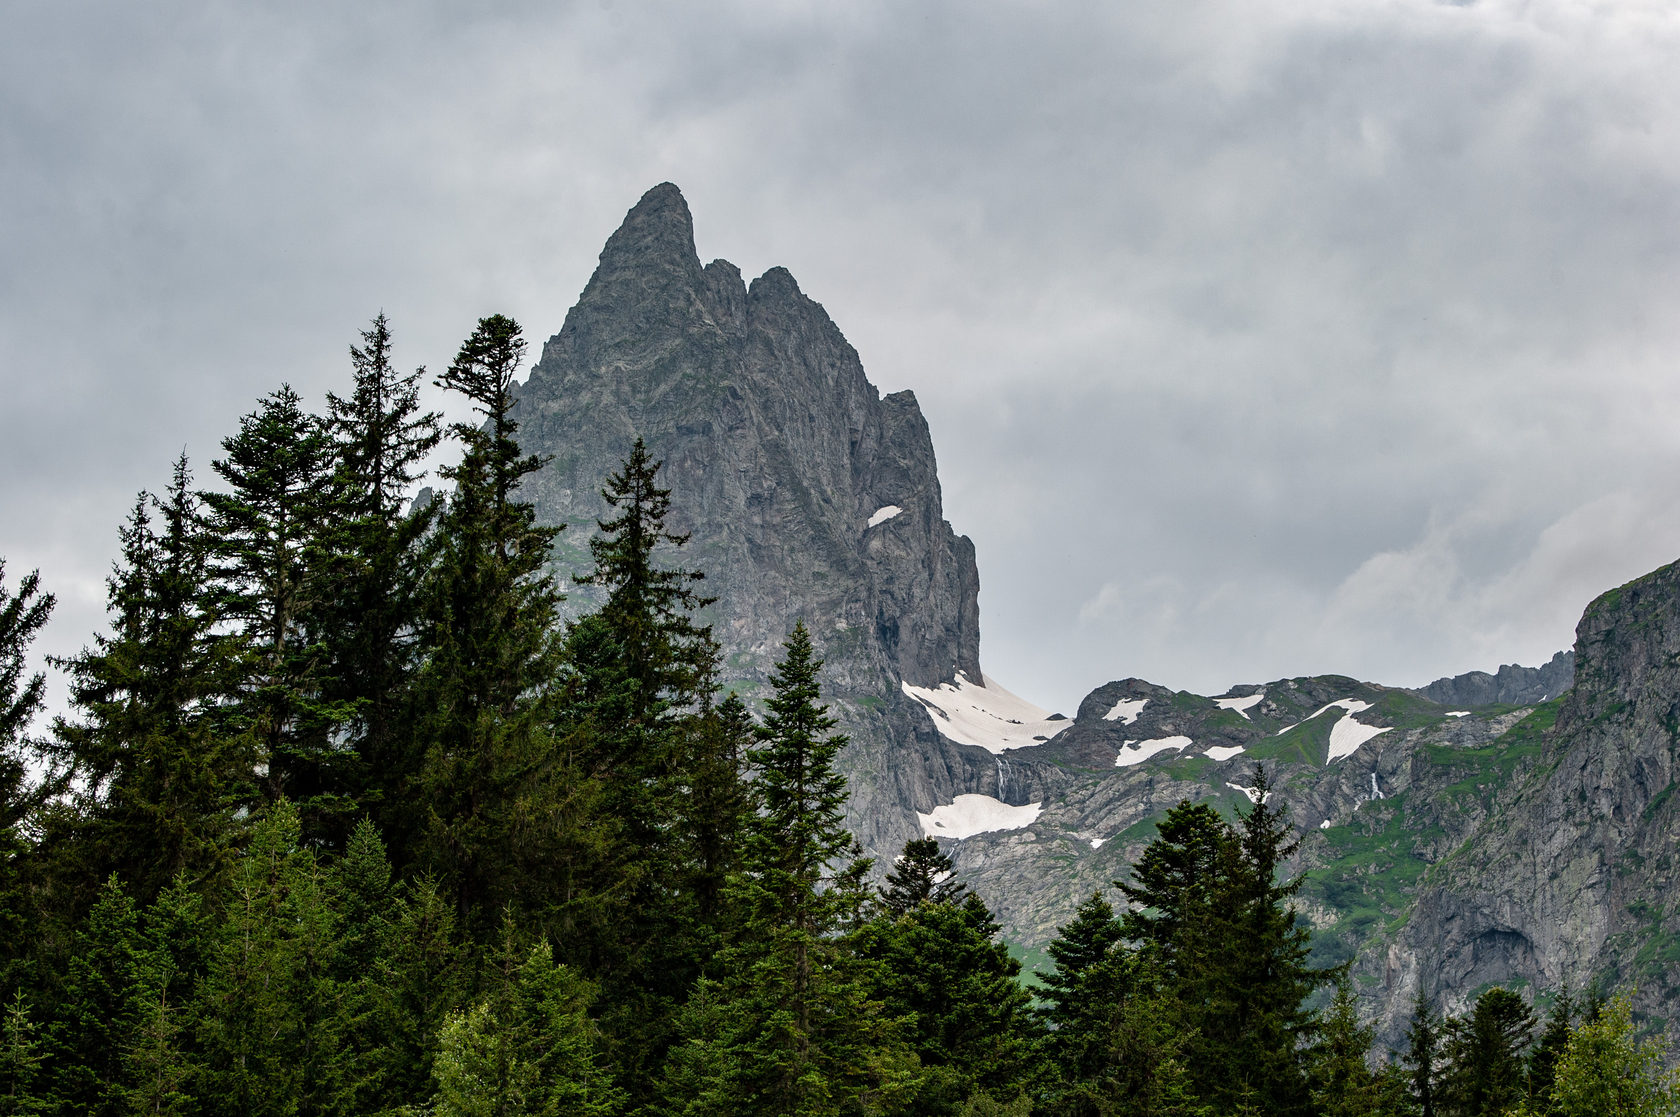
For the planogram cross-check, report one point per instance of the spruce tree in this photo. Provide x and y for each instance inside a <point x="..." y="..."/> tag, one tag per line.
<point x="367" y="619"/>
<point x="263" y="530"/>
<point x="161" y="763"/>
<point x="492" y="651"/>
<point x="1422" y="1056"/>
<point x="1342" y="1083"/>
<point x="921" y="875"/>
<point x="1485" y="1055"/>
<point x="22" y="615"/>
<point x="22" y="1054"/>
<point x="1079" y="997"/>
<point x="1542" y="1064"/>
<point x="790" y="1027"/>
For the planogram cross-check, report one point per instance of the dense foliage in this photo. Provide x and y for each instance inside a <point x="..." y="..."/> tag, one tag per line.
<point x="345" y="820"/>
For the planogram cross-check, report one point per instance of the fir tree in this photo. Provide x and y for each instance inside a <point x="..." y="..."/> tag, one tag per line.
<point x="161" y="764"/>
<point x="1485" y="1056"/>
<point x="1092" y="977"/>
<point x="22" y="615"/>
<point x="367" y="621"/>
<point x="492" y="651"/>
<point x="21" y="1057"/>
<point x="1423" y="1053"/>
<point x="1342" y="1084"/>
<point x="922" y="875"/>
<point x="261" y="531"/>
<point x="1542" y="1064"/>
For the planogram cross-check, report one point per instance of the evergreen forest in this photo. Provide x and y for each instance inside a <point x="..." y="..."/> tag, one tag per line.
<point x="343" y="818"/>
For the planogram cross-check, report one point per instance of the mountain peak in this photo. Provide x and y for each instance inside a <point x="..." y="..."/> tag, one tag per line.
<point x="657" y="226"/>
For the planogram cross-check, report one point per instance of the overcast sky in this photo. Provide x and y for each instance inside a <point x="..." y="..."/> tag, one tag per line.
<point x="1258" y="338"/>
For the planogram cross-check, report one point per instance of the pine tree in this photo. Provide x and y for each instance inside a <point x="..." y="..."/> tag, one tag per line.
<point x="791" y="1028"/>
<point x="1080" y="995"/>
<point x="1603" y="1070"/>
<point x="21" y="1056"/>
<point x="1422" y="1057"/>
<point x="161" y="764"/>
<point x="492" y="651"/>
<point x="1542" y="1064"/>
<point x="1342" y="1083"/>
<point x="528" y="1048"/>
<point x="100" y="1009"/>
<point x="1485" y="1056"/>
<point x="262" y="531"/>
<point x="939" y="962"/>
<point x="922" y="875"/>
<point x="367" y="619"/>
<point x="22" y="615"/>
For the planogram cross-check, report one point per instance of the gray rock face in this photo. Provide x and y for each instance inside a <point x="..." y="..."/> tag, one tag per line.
<point x="784" y="464"/>
<point x="1511" y="686"/>
<point x="1570" y="876"/>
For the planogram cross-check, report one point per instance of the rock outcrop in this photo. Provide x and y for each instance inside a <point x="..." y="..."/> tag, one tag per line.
<point x="1511" y="686"/>
<point x="807" y="495"/>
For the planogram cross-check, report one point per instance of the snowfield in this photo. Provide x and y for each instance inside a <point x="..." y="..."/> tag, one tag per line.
<point x="1136" y="752"/>
<point x="1224" y="752"/>
<point x="968" y="815"/>
<point x="1347" y="735"/>
<point x="986" y="716"/>
<point x="1241" y="705"/>
<point x="1126" y="710"/>
<point x="884" y="513"/>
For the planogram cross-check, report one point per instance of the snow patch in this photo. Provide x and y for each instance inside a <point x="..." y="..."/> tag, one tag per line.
<point x="1223" y="752"/>
<point x="1126" y="710"/>
<point x="1136" y="752"/>
<point x="1097" y="843"/>
<point x="1325" y="825"/>
<point x="1253" y="793"/>
<point x="968" y="815"/>
<point x="1241" y="705"/>
<point x="1347" y="735"/>
<point x="1351" y="705"/>
<point x="985" y="715"/>
<point x="1458" y="713"/>
<point x="884" y="513"/>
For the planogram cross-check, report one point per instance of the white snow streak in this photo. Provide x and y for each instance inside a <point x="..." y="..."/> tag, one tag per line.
<point x="1241" y="705"/>
<point x="1223" y="752"/>
<point x="1253" y="793"/>
<point x="1126" y="710"/>
<point x="1347" y="735"/>
<point x="1097" y="843"/>
<point x="884" y="513"/>
<point x="968" y="815"/>
<point x="986" y="716"/>
<point x="1136" y="752"/>
<point x="1458" y="713"/>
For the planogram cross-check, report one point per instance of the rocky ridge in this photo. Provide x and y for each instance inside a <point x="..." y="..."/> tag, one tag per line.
<point x="1453" y="835"/>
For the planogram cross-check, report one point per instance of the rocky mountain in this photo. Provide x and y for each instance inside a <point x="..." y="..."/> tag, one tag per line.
<point x="1488" y="827"/>
<point x="1511" y="686"/>
<point x="808" y="495"/>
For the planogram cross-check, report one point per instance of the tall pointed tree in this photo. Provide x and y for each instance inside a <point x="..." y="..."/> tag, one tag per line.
<point x="22" y="615"/>
<point x="262" y="529"/>
<point x="367" y="620"/>
<point x="492" y="651"/>
<point x="161" y="762"/>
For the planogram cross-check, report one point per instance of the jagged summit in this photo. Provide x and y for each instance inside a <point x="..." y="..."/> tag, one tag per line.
<point x="782" y="458"/>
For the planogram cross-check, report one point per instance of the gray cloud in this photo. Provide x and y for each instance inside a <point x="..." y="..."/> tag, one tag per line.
<point x="1256" y="339"/>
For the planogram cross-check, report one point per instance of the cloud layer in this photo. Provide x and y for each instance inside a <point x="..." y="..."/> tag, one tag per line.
<point x="1256" y="338"/>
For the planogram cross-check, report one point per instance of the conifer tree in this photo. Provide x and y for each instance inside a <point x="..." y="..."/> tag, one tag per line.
<point x="22" y="1054"/>
<point x="22" y="615"/>
<point x="790" y="1027"/>
<point x="922" y="875"/>
<point x="529" y="1048"/>
<point x="1423" y="1053"/>
<point x="1079" y="996"/>
<point x="1485" y="1056"/>
<point x="492" y="650"/>
<point x="100" y="1008"/>
<point x="1542" y="1063"/>
<point x="1342" y="1084"/>
<point x="161" y="762"/>
<point x="261" y="531"/>
<point x="367" y="620"/>
<point x="1604" y="1070"/>
<point x="939" y="963"/>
